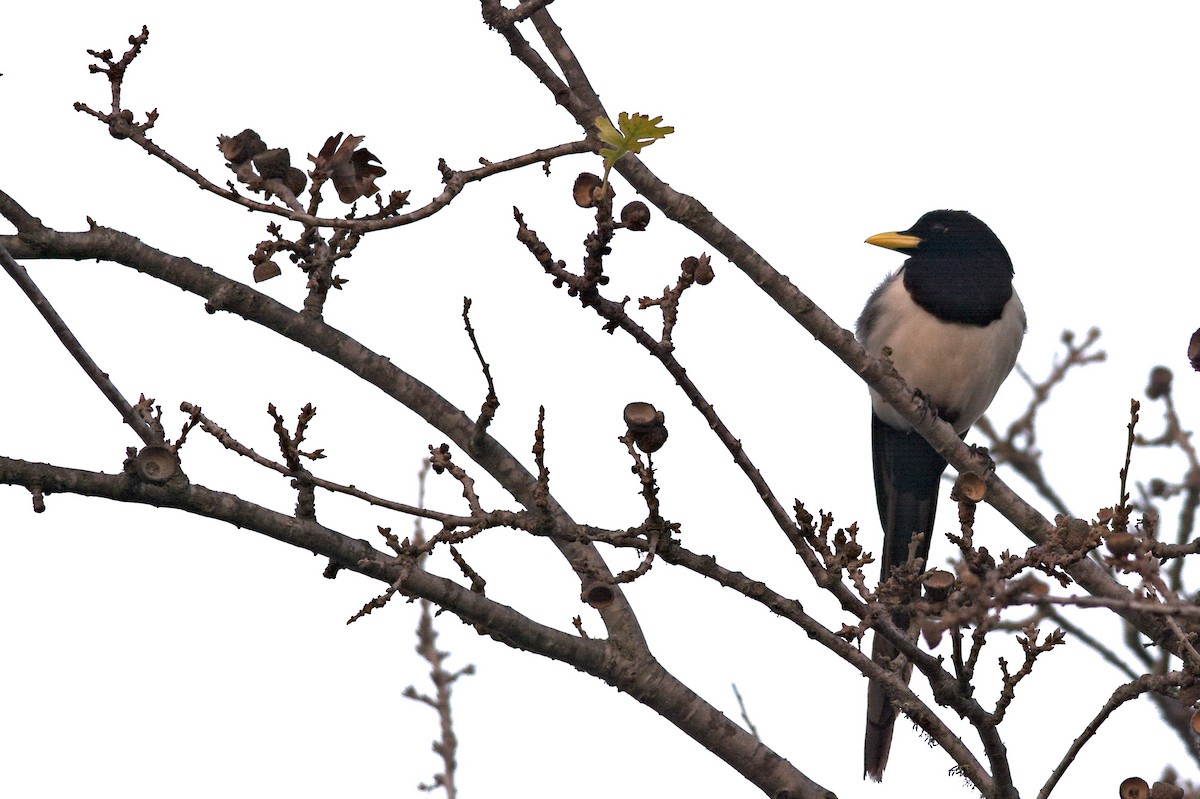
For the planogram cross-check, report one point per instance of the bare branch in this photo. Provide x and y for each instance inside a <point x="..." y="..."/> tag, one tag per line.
<point x="745" y="716"/>
<point x="121" y="125"/>
<point x="229" y="442"/>
<point x="75" y="347"/>
<point x="879" y="375"/>
<point x="1018" y="447"/>
<point x="1123" y="694"/>
<point x="491" y="403"/>
<point x="447" y="746"/>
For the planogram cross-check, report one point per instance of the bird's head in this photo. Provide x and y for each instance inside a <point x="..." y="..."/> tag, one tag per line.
<point x="945" y="234"/>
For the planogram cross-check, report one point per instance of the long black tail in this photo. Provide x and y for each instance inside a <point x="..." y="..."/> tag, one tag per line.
<point x="908" y="472"/>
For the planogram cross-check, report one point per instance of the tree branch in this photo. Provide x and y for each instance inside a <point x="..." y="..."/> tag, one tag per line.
<point x="74" y="346"/>
<point x="643" y="677"/>
<point x="878" y="374"/>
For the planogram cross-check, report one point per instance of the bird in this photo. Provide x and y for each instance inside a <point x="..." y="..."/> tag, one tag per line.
<point x="953" y="325"/>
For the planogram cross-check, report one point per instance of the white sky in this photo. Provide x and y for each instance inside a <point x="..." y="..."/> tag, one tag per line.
<point x="149" y="654"/>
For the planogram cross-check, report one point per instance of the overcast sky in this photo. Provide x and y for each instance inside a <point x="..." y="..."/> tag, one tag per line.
<point x="149" y="654"/>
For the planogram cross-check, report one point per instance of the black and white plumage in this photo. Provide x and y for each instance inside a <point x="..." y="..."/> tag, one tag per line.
<point x="954" y="326"/>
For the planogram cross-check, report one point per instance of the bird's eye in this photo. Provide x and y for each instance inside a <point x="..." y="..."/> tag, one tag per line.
<point x="940" y="228"/>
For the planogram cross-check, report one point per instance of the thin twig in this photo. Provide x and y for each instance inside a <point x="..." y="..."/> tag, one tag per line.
<point x="491" y="403"/>
<point x="1123" y="694"/>
<point x="75" y="347"/>
<point x="745" y="716"/>
<point x="455" y="180"/>
<point x="447" y="746"/>
<point x="1077" y="633"/>
<point x="229" y="442"/>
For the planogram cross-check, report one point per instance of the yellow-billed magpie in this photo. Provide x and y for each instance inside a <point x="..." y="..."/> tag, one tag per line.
<point x="954" y="325"/>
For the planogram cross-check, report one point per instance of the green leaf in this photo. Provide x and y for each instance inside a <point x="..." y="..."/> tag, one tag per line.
<point x="636" y="131"/>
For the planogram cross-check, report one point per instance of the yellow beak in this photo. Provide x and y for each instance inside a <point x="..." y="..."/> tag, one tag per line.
<point x="894" y="241"/>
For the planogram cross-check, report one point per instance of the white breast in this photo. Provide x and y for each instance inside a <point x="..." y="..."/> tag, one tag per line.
<point x="957" y="367"/>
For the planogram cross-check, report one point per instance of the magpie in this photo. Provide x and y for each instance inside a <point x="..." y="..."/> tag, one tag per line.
<point x="954" y="326"/>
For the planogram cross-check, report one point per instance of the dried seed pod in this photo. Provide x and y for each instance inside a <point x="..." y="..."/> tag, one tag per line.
<point x="1134" y="788"/>
<point x="635" y="215"/>
<point x="1160" y="382"/>
<point x="650" y="440"/>
<point x="156" y="463"/>
<point x="970" y="487"/>
<point x="642" y="416"/>
<point x="586" y="188"/>
<point x="265" y="270"/>
<point x="647" y="426"/>
<point x="1030" y="585"/>
<point x="932" y="631"/>
<point x="1165" y="790"/>
<point x="938" y="584"/>
<point x="1194" y="351"/>
<point x="242" y="147"/>
<point x="1122" y="544"/>
<point x="272" y="163"/>
<point x="704" y="271"/>
<point x="295" y="179"/>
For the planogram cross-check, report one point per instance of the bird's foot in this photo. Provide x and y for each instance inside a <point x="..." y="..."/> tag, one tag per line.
<point x="982" y="453"/>
<point x="925" y="406"/>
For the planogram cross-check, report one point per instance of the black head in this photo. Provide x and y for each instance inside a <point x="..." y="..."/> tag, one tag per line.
<point x="947" y="233"/>
<point x="957" y="270"/>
